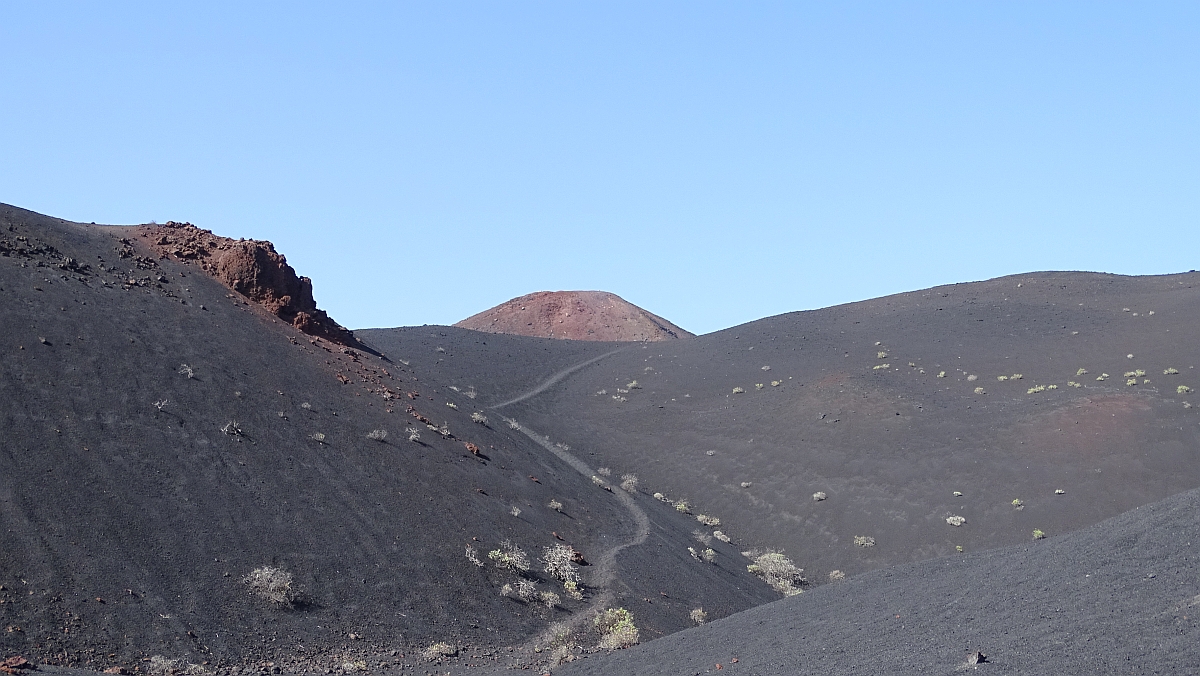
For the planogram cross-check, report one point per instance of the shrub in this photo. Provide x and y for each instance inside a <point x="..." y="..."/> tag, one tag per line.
<point x="1102" y="377"/>
<point x="710" y="521"/>
<point x="187" y="371"/>
<point x="941" y="374"/>
<point x="549" y="598"/>
<point x="616" y="628"/>
<point x="776" y="570"/>
<point x="272" y="584"/>
<point x="1002" y="378"/>
<point x="776" y="383"/>
<point x="1081" y="372"/>
<point x="879" y="367"/>
<point x="979" y="390"/>
<point x="819" y="496"/>
<point x="633" y="385"/>
<point x="473" y="557"/>
<point x="1183" y="389"/>
<point x="1072" y="383"/>
<point x="758" y="386"/>
<point x="738" y="390"/>
<point x="452" y="405"/>
<point x="555" y="505"/>
<point x="513" y="424"/>
<point x="629" y="483"/>
<point x="1059" y="491"/>
<point x="604" y="471"/>
<point x="318" y="437"/>
<point x="306" y="406"/>
<point x="515" y="511"/>
<point x="972" y="378"/>
<point x="766" y="368"/>
<point x="510" y="556"/>
<point x="661" y="498"/>
<point x="720" y="536"/>
<point x="377" y="435"/>
<point x="881" y="355"/>
<point x="836" y="576"/>
<point x="1171" y="371"/>
<point x="1035" y="389"/>
<point x="682" y="507"/>
<point x="1131" y="381"/>
<point x="1017" y="502"/>
<point x="438" y="650"/>
<point x="746" y="484"/>
<point x="478" y="417"/>
<point x="559" y="563"/>
<point x="701" y="536"/>
<point x="598" y="481"/>
<point x="699" y="616"/>
<point x="414" y="434"/>
<point x="955" y="520"/>
<point x="1016" y="376"/>
<point x="1038" y="534"/>
<point x="232" y="428"/>
<point x="710" y="453"/>
<point x="864" y="541"/>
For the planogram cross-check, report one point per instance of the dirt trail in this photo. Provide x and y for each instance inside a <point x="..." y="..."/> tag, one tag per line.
<point x="554" y="379"/>
<point x="604" y="568"/>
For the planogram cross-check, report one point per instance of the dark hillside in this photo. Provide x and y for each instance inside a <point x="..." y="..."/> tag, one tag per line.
<point x="1120" y="597"/>
<point x="890" y="407"/>
<point x="165" y="437"/>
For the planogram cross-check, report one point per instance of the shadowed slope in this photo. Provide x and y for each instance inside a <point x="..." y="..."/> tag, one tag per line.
<point x="574" y="315"/>
<point x="165" y="437"/>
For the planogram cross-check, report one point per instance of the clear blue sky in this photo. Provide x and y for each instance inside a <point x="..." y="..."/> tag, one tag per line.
<point x="712" y="162"/>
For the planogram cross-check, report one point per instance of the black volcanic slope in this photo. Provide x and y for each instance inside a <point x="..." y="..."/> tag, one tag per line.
<point x="889" y="407"/>
<point x="1120" y="597"/>
<point x="164" y="438"/>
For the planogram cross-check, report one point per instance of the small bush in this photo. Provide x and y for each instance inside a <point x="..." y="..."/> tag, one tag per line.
<point x="1017" y="503"/>
<point x="746" y="484"/>
<point x="941" y="374"/>
<point x="864" y="541"/>
<point x="1171" y="371"/>
<point x="1016" y="376"/>
<point x="559" y="563"/>
<point x="955" y="520"/>
<point x="549" y="598"/>
<point x="720" y="536"/>
<point x="836" y="576"/>
<point x="414" y="434"/>
<point x="661" y="498"/>
<point x="633" y="385"/>
<point x="881" y="355"/>
<point x="515" y="511"/>
<point x="1038" y="534"/>
<point x="616" y="628"/>
<point x="776" y="570"/>
<point x="555" y="505"/>
<point x="479" y="418"/>
<point x="766" y="368"/>
<point x="187" y="371"/>
<point x="776" y="383"/>
<point x="682" y="507"/>
<point x="738" y="390"/>
<point x="510" y="556"/>
<point x="272" y="584"/>
<point x="758" y="386"/>
<point x="979" y="390"/>
<point x="699" y="616"/>
<point x="377" y="435"/>
<point x="439" y="650"/>
<point x="473" y="557"/>
<point x="306" y="406"/>
<point x="604" y="471"/>
<point x="452" y="405"/>
<point x="819" y="496"/>
<point x="1035" y="389"/>
<point x="1002" y="378"/>
<point x="880" y="367"/>
<point x="598" y="481"/>
<point x="232" y="428"/>
<point x="629" y="483"/>
<point x="513" y="424"/>
<point x="1183" y="389"/>
<point x="318" y="437"/>
<point x="972" y="378"/>
<point x="710" y="521"/>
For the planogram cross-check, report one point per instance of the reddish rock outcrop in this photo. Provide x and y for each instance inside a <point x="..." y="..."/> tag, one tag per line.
<point x="574" y="315"/>
<point x="252" y="268"/>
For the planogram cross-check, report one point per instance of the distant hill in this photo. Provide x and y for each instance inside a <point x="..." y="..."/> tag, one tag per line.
<point x="574" y="315"/>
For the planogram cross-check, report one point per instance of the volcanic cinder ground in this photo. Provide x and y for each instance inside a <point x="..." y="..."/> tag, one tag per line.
<point x="1006" y="467"/>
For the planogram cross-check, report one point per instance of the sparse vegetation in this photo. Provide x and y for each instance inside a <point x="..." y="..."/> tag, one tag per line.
<point x="772" y="567"/>
<point x="377" y="435"/>
<point x="549" y="598"/>
<point x="616" y="628"/>
<point x="439" y="650"/>
<point x="473" y="557"/>
<point x="510" y="556"/>
<point x="559" y="563"/>
<point x="272" y="584"/>
<point x="699" y="616"/>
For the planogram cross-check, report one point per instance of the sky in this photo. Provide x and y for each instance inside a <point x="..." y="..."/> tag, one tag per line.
<point x="712" y="162"/>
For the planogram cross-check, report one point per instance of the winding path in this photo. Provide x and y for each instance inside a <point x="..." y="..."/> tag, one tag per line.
<point x="604" y="567"/>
